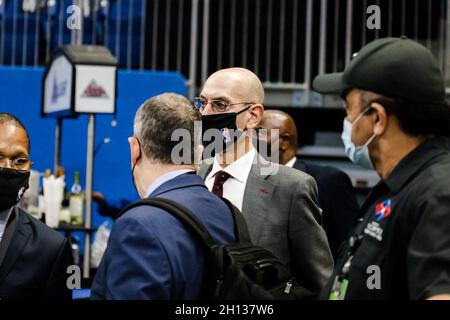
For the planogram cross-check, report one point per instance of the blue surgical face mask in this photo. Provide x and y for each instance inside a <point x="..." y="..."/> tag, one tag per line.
<point x="357" y="154"/>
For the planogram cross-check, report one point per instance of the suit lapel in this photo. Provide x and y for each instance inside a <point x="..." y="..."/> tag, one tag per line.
<point x="17" y="244"/>
<point x="257" y="184"/>
<point x="258" y="192"/>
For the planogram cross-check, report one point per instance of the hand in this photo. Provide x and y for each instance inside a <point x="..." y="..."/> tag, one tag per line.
<point x="98" y="197"/>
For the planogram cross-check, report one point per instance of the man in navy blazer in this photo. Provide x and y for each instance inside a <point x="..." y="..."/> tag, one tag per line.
<point x="150" y="254"/>
<point x="34" y="258"/>
<point x="336" y="195"/>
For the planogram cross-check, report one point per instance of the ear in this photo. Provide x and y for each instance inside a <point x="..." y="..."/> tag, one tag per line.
<point x="134" y="150"/>
<point x="199" y="153"/>
<point x="285" y="142"/>
<point x="256" y="113"/>
<point x="381" y="118"/>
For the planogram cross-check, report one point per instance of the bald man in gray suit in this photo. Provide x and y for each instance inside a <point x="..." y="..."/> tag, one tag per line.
<point x="278" y="203"/>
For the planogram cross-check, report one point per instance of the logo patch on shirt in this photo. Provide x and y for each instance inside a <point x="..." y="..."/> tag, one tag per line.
<point x="226" y="135"/>
<point x="374" y="230"/>
<point x="383" y="209"/>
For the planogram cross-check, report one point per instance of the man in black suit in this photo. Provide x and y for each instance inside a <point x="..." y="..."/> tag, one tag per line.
<point x="33" y="257"/>
<point x="336" y="196"/>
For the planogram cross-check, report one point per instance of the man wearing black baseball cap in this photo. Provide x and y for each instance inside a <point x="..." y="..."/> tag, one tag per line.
<point x="397" y="121"/>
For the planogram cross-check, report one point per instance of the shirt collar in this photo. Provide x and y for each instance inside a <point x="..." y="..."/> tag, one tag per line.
<point x="291" y="162"/>
<point x="238" y="169"/>
<point x="415" y="161"/>
<point x="164" y="178"/>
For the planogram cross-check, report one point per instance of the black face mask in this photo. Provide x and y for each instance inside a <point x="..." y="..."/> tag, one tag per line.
<point x="225" y="123"/>
<point x="13" y="184"/>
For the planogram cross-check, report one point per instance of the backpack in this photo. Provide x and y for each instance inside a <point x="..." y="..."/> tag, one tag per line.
<point x="236" y="271"/>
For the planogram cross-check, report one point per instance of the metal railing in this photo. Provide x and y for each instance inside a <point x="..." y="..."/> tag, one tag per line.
<point x="285" y="42"/>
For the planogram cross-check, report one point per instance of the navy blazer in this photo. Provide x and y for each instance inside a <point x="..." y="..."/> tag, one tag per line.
<point x="35" y="262"/>
<point x="336" y="199"/>
<point x="150" y="254"/>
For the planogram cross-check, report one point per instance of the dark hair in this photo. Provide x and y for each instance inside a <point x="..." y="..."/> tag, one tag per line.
<point x="12" y="119"/>
<point x="158" y="118"/>
<point x="414" y="118"/>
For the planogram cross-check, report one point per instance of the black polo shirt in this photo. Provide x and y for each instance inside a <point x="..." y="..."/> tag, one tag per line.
<point x="405" y="232"/>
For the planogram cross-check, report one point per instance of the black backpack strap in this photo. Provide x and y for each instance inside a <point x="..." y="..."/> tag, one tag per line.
<point x="181" y="213"/>
<point x="240" y="226"/>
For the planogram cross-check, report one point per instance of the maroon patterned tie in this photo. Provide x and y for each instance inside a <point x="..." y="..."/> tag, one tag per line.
<point x="219" y="180"/>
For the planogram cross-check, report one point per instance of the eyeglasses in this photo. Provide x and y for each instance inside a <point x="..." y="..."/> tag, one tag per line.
<point x="19" y="163"/>
<point x="216" y="105"/>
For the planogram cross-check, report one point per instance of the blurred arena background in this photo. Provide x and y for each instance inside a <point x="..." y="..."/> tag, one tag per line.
<point x="173" y="45"/>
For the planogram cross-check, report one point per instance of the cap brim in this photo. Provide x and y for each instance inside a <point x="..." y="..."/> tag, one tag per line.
<point x="330" y="83"/>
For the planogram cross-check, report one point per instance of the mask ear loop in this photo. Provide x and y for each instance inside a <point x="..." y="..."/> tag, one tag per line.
<point x="243" y="110"/>
<point x="358" y="118"/>
<point x="361" y="114"/>
<point x="370" y="140"/>
<point x="374" y="135"/>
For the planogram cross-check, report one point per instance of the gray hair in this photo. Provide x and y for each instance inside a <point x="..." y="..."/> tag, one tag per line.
<point x="157" y="119"/>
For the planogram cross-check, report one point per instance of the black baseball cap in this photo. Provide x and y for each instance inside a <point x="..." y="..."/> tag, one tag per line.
<point x="394" y="67"/>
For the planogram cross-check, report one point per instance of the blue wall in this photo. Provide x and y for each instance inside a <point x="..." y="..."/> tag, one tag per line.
<point x="20" y="94"/>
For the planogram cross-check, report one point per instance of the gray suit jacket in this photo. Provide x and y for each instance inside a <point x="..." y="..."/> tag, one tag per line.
<point x="280" y="207"/>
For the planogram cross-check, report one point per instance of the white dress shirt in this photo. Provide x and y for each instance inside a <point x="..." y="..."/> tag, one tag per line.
<point x="291" y="162"/>
<point x="4" y="217"/>
<point x="234" y="187"/>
